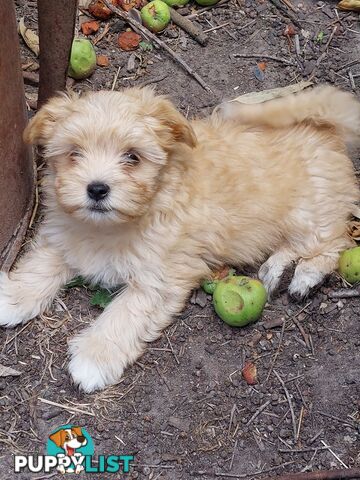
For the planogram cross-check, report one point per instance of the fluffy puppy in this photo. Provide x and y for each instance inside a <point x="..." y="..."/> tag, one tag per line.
<point x="136" y="193"/>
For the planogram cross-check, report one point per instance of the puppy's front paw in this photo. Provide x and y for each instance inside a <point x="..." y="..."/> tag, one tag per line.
<point x="11" y="311"/>
<point x="94" y="363"/>
<point x="306" y="279"/>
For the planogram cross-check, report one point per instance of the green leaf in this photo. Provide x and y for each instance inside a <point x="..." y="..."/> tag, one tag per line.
<point x="78" y="281"/>
<point x="146" y="46"/>
<point x="320" y="36"/>
<point x="101" y="298"/>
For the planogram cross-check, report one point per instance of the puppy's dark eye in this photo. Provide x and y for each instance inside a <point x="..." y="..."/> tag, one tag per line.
<point x="131" y="158"/>
<point x="75" y="155"/>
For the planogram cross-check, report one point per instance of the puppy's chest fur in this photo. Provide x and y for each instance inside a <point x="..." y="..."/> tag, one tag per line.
<point x="105" y="258"/>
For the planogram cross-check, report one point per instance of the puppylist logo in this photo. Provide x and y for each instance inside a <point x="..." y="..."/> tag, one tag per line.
<point x="70" y="449"/>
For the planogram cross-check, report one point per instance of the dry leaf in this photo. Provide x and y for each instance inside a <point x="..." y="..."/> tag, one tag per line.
<point x="8" y="372"/>
<point x="88" y="28"/>
<point x="354" y="230"/>
<point x="129" y="40"/>
<point x="265" y="95"/>
<point x="249" y="373"/>
<point x="289" y="30"/>
<point x="102" y="60"/>
<point x="30" y="37"/>
<point x="129" y="4"/>
<point x="349" y="5"/>
<point x="98" y="9"/>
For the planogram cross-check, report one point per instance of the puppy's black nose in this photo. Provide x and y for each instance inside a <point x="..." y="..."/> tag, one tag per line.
<point x="98" y="191"/>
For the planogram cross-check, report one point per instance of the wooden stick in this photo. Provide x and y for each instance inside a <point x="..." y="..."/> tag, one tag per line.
<point x="217" y="27"/>
<point x="285" y="12"/>
<point x="31" y="77"/>
<point x="268" y="57"/>
<point x="287" y="394"/>
<point x="189" y="27"/>
<point x="144" y="31"/>
<point x="350" y="473"/>
<point x="324" y="53"/>
<point x="205" y="9"/>
<point x="345" y="293"/>
<point x="69" y="408"/>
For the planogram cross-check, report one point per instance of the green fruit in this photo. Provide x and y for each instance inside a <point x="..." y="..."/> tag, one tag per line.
<point x="82" y="59"/>
<point x="209" y="285"/>
<point x="176" y="3"/>
<point x="349" y="265"/>
<point x="155" y="15"/>
<point x="206" y="3"/>
<point x="239" y="300"/>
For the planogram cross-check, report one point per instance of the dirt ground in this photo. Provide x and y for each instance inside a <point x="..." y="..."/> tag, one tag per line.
<point x="184" y="411"/>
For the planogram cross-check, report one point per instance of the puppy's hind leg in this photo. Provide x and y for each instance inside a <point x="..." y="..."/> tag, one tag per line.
<point x="271" y="271"/>
<point x="310" y="272"/>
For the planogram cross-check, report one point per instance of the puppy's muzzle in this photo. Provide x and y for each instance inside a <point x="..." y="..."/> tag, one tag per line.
<point x="98" y="191"/>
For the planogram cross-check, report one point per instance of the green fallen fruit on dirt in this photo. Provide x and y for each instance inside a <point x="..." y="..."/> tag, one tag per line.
<point x="349" y="265"/>
<point x="209" y="285"/>
<point x="239" y="300"/>
<point x="82" y="59"/>
<point x="176" y="3"/>
<point x="206" y="3"/>
<point x="155" y="15"/>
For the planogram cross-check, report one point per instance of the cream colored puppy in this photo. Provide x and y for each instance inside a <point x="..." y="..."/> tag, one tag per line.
<point x="135" y="193"/>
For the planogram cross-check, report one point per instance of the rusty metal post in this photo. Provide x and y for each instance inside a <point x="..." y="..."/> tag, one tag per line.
<point x="16" y="167"/>
<point x="56" y="32"/>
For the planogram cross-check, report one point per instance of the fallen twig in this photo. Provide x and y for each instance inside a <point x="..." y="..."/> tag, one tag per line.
<point x="277" y="351"/>
<point x="289" y="5"/>
<point x="350" y="473"/>
<point x="300" y="422"/>
<point x="258" y="411"/>
<point x="267" y="57"/>
<point x="31" y="77"/>
<point x="147" y="34"/>
<point x="195" y="32"/>
<point x="216" y="28"/>
<point x="324" y="53"/>
<point x="301" y="450"/>
<point x="340" y="420"/>
<point x="289" y="402"/>
<point x="101" y="35"/>
<point x="286" y="12"/>
<point x="345" y="293"/>
<point x="152" y="80"/>
<point x="205" y="9"/>
<point x="172" y="348"/>
<point x="241" y="475"/>
<point x="116" y="76"/>
<point x="348" y="65"/>
<point x="69" y="408"/>
<point x="334" y="454"/>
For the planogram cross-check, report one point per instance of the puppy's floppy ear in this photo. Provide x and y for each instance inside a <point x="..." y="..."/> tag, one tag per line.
<point x="174" y="121"/>
<point x="77" y="430"/>
<point x="41" y="126"/>
<point x="58" y="438"/>
<point x="174" y="127"/>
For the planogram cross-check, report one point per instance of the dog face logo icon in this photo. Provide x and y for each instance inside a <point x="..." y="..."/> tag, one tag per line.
<point x="69" y="439"/>
<point x="70" y="444"/>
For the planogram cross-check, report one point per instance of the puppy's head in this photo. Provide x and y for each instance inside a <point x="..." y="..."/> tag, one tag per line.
<point x="108" y="150"/>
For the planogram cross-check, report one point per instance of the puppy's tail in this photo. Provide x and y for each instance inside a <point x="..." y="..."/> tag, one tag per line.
<point x="324" y="105"/>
